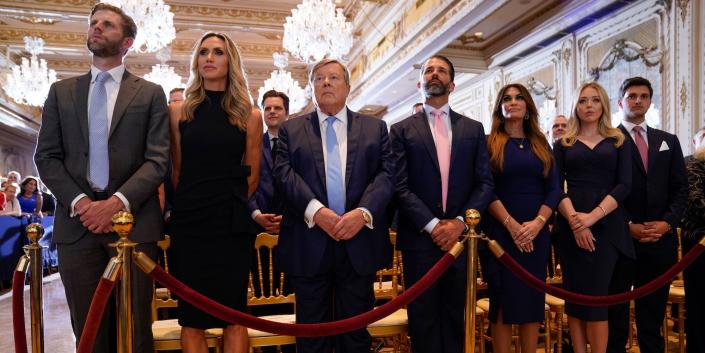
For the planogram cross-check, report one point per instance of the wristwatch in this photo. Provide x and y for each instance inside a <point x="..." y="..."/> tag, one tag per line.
<point x="366" y="216"/>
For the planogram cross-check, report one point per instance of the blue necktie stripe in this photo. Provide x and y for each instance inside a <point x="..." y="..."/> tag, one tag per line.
<point x="335" y="186"/>
<point x="98" y="160"/>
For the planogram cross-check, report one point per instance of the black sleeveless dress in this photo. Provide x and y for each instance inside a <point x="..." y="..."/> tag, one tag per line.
<point x="212" y="234"/>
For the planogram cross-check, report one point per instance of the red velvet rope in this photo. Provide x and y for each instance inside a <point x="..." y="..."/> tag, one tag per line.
<point x="301" y="330"/>
<point x="601" y="300"/>
<point x="95" y="315"/>
<point x="18" y="312"/>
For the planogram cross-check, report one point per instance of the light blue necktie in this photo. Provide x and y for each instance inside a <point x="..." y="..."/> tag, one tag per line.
<point x="98" y="161"/>
<point x="335" y="185"/>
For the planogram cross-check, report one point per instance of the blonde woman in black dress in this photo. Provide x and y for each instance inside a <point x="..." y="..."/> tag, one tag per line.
<point x="216" y="141"/>
<point x="596" y="165"/>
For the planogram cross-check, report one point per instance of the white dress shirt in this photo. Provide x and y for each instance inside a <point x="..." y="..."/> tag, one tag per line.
<point x="428" y="110"/>
<point x="340" y="125"/>
<point x="630" y="127"/>
<point x="112" y="88"/>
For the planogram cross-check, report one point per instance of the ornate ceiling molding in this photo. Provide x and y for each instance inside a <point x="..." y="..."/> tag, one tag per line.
<point x="68" y="39"/>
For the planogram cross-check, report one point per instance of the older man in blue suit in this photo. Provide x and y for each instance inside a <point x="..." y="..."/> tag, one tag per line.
<point x="442" y="169"/>
<point x="334" y="170"/>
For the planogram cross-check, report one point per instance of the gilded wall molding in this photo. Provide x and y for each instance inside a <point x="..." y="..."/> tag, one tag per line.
<point x="683" y="97"/>
<point x="683" y="7"/>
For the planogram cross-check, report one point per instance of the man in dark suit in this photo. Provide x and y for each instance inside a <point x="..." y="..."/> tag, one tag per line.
<point x="334" y="170"/>
<point x="265" y="204"/>
<point x="102" y="148"/>
<point x="654" y="209"/>
<point x="442" y="170"/>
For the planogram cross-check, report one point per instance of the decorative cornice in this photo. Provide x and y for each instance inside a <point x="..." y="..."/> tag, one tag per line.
<point x="230" y="14"/>
<point x="35" y="20"/>
<point x="14" y="36"/>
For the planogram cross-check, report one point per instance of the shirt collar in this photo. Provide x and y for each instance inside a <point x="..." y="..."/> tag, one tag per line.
<point x="630" y="126"/>
<point x="429" y="110"/>
<point x="342" y="115"/>
<point x="116" y="73"/>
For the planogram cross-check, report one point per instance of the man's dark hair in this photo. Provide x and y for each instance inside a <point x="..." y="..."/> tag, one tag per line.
<point x="129" y="28"/>
<point x="273" y="94"/>
<point x="177" y="89"/>
<point x="444" y="59"/>
<point x="413" y="109"/>
<point x="635" y="81"/>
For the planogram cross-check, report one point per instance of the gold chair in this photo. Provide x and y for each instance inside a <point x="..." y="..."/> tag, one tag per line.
<point x="271" y="296"/>
<point x="167" y="333"/>
<point x="556" y="306"/>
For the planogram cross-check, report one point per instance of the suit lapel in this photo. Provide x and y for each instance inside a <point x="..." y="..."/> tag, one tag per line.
<point x="80" y="100"/>
<point x="313" y="130"/>
<point x="654" y="145"/>
<point x="636" y="157"/>
<point x="420" y="123"/>
<point x="353" y="138"/>
<point x="267" y="151"/>
<point x="128" y="89"/>
<point x="456" y="127"/>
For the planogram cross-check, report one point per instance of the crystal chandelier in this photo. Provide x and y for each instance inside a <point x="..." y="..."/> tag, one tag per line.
<point x="281" y="81"/>
<point x="315" y="30"/>
<point x="155" y="23"/>
<point x="163" y="74"/>
<point x="29" y="82"/>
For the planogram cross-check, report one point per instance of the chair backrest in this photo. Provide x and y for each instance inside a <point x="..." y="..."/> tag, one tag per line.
<point x="274" y="291"/>
<point x="390" y="281"/>
<point x="164" y="245"/>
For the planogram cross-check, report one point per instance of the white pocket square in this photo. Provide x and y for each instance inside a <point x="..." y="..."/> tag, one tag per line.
<point x="664" y="146"/>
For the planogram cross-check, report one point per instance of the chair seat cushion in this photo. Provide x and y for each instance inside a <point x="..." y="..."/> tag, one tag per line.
<point x="285" y="318"/>
<point x="554" y="301"/>
<point x="167" y="330"/>
<point x="676" y="292"/>
<point x="397" y="318"/>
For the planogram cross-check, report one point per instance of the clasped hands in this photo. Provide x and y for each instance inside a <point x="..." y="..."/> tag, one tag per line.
<point x="580" y="223"/>
<point x="269" y="221"/>
<point x="339" y="227"/>
<point x="648" y="232"/>
<point x="97" y="216"/>
<point x="525" y="233"/>
<point x="447" y="232"/>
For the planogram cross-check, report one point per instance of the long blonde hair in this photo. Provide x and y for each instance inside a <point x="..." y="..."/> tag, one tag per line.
<point x="604" y="127"/>
<point x="237" y="101"/>
<point x="498" y="136"/>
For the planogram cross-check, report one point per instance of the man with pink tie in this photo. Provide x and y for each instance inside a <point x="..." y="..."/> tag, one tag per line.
<point x="442" y="170"/>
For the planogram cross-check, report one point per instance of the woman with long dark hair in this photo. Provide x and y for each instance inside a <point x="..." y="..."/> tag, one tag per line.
<point x="216" y="141"/>
<point x="30" y="197"/>
<point x="526" y="192"/>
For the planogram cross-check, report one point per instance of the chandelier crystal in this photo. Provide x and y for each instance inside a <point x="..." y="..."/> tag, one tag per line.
<point x="281" y="81"/>
<point x="155" y="23"/>
<point x="163" y="74"/>
<point x="29" y="82"/>
<point x="315" y="30"/>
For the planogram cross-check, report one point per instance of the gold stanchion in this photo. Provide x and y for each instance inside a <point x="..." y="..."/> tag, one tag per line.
<point x="122" y="224"/>
<point x="34" y="250"/>
<point x="472" y="218"/>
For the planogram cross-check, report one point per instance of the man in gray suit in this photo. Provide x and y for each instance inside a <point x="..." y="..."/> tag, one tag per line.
<point x="102" y="148"/>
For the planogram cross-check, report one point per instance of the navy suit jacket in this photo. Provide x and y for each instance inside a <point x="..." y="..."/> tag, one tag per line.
<point x="299" y="174"/>
<point x="418" y="177"/>
<point x="662" y="193"/>
<point x="265" y="198"/>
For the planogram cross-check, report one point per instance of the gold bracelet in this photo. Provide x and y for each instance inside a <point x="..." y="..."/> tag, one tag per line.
<point x="542" y="218"/>
<point x="604" y="213"/>
<point x="506" y="220"/>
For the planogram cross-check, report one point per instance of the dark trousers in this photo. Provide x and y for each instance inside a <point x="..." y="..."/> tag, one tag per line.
<point x="653" y="259"/>
<point x="694" y="278"/>
<point x="436" y="317"/>
<point x="81" y="265"/>
<point x="337" y="292"/>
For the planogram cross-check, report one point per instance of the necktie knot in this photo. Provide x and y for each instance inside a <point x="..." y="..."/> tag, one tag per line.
<point x="102" y="77"/>
<point x="437" y="113"/>
<point x="330" y="120"/>
<point x="638" y="129"/>
<point x="641" y="146"/>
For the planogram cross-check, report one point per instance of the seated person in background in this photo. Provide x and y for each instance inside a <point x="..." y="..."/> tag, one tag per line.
<point x="3" y="201"/>
<point x="30" y="198"/>
<point x="48" y="200"/>
<point x="13" y="176"/>
<point x="13" y="205"/>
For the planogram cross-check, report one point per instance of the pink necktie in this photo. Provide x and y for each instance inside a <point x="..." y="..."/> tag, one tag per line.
<point x="442" y="151"/>
<point x="641" y="146"/>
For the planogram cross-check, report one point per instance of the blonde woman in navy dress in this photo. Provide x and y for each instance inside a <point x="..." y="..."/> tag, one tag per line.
<point x="526" y="192"/>
<point x="596" y="165"/>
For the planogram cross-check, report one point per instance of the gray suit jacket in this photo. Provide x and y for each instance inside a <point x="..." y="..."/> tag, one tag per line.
<point x="138" y="147"/>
